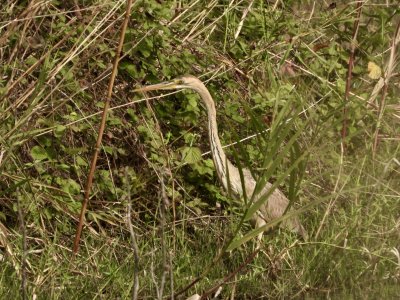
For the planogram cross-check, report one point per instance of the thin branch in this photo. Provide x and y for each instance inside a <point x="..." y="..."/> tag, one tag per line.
<point x="196" y="280"/>
<point x="388" y="75"/>
<point x="245" y="12"/>
<point x="232" y="274"/>
<point x="207" y="269"/>
<point x="350" y="68"/>
<point x="333" y="200"/>
<point x="135" y="247"/>
<point x="24" y="248"/>
<point x="163" y="205"/>
<point x="171" y="272"/>
<point x="101" y="129"/>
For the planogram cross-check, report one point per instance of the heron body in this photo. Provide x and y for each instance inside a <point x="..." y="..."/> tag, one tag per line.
<point x="228" y="174"/>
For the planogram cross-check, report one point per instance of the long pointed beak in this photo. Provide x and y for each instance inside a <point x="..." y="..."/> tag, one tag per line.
<point x="168" y="85"/>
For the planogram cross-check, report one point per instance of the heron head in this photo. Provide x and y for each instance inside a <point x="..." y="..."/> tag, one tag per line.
<point x="182" y="82"/>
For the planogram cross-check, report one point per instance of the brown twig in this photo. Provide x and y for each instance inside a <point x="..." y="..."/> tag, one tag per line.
<point x="232" y="274"/>
<point x="77" y="10"/>
<point x="228" y="277"/>
<point x="196" y="280"/>
<point x="350" y="68"/>
<point x="102" y="127"/>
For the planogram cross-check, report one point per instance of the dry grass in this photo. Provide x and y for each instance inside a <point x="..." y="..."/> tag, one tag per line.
<point x="257" y="58"/>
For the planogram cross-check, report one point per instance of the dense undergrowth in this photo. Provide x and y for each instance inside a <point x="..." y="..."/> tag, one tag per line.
<point x="279" y="66"/>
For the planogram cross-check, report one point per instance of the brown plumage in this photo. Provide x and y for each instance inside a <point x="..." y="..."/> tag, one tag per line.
<point x="277" y="202"/>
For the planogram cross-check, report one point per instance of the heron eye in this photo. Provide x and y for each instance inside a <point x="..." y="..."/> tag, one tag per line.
<point x="180" y="81"/>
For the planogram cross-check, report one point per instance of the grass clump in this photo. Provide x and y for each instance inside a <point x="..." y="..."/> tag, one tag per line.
<point x="279" y="69"/>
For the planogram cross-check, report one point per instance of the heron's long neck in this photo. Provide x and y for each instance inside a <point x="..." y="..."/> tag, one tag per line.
<point x="222" y="164"/>
<point x="218" y="154"/>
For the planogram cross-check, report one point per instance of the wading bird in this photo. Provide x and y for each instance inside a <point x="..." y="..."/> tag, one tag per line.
<point x="228" y="174"/>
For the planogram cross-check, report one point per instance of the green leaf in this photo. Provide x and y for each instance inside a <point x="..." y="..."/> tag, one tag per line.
<point x="132" y="114"/>
<point x="129" y="68"/>
<point x="108" y="149"/>
<point x="59" y="130"/>
<point x="204" y="167"/>
<point x="191" y="155"/>
<point x="31" y="60"/>
<point x="112" y="121"/>
<point x="81" y="162"/>
<point x="69" y="186"/>
<point x="39" y="153"/>
<point x="192" y="100"/>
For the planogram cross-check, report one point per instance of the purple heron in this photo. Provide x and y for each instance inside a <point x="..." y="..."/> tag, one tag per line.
<point x="228" y="174"/>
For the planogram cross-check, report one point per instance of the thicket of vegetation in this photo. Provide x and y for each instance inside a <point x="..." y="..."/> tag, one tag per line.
<point x="328" y="137"/>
